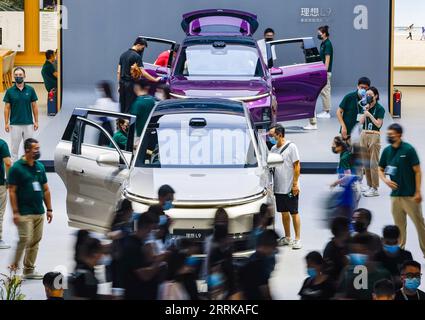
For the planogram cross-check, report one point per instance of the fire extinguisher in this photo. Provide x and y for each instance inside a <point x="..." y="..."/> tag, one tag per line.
<point x="51" y="96"/>
<point x="397" y="103"/>
<point x="397" y="96"/>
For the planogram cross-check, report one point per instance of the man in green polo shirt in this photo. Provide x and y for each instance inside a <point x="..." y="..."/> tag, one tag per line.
<point x="349" y="109"/>
<point x="400" y="169"/>
<point x="143" y="105"/>
<point x="5" y="164"/>
<point x="28" y="189"/>
<point x="20" y="111"/>
<point x="49" y="72"/>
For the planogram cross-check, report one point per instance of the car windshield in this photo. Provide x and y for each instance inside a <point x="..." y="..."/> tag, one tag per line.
<point x="197" y="141"/>
<point x="220" y="59"/>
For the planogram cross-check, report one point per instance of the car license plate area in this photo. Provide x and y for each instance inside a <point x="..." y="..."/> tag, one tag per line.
<point x="194" y="234"/>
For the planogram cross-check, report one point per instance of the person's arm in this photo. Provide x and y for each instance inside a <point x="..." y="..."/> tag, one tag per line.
<point x="418" y="181"/>
<point x="297" y="173"/>
<point x="118" y="74"/>
<point x="347" y="174"/>
<point x="376" y="122"/>
<point x="55" y="74"/>
<point x="149" y="77"/>
<point x="327" y="61"/>
<point x="35" y="113"/>
<point x="14" y="203"/>
<point x="388" y="182"/>
<point x="7" y="116"/>
<point x="7" y="164"/>
<point x="48" y="202"/>
<point x="339" y="115"/>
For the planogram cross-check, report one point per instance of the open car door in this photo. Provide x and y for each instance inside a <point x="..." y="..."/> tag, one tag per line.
<point x="219" y="21"/>
<point x="299" y="79"/>
<point x="93" y="166"/>
<point x="151" y="67"/>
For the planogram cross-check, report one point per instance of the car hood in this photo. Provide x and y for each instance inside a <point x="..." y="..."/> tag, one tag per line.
<point x="196" y="88"/>
<point x="198" y="184"/>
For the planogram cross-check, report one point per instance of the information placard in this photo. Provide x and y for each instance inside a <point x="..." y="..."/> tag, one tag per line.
<point x="12" y="25"/>
<point x="48" y="25"/>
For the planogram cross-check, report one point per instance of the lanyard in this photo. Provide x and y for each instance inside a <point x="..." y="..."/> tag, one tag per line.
<point x="365" y="125"/>
<point x="405" y="296"/>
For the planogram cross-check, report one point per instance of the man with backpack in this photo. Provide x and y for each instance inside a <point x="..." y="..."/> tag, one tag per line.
<point x="286" y="187"/>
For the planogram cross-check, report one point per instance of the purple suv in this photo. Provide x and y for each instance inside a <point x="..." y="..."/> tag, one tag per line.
<point x="219" y="58"/>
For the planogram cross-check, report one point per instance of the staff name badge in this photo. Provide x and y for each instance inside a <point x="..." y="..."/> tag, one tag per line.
<point x="391" y="171"/>
<point x="36" y="186"/>
<point x="359" y="116"/>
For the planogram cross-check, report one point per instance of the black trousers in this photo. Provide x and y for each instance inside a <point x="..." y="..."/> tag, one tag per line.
<point x="127" y="95"/>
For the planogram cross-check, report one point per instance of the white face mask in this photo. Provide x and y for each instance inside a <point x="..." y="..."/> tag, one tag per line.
<point x="159" y="96"/>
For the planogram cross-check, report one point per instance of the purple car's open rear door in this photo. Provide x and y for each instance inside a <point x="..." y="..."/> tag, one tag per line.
<point x="219" y="21"/>
<point x="298" y="83"/>
<point x="153" y="69"/>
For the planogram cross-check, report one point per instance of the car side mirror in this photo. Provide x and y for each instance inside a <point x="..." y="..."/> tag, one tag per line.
<point x="276" y="71"/>
<point x="274" y="160"/>
<point x="108" y="159"/>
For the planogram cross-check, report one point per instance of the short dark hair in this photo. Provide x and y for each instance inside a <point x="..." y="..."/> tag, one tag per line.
<point x="384" y="287"/>
<point x="143" y="83"/>
<point x="391" y="232"/>
<point x="396" y="127"/>
<point x="339" y="225"/>
<point x="157" y="210"/>
<point x="49" y="54"/>
<point x="268" y="238"/>
<point x="50" y="278"/>
<point x="141" y="41"/>
<point x="28" y="144"/>
<point x="279" y="130"/>
<point x="340" y="142"/>
<point x="364" y="80"/>
<point x="362" y="239"/>
<point x="106" y="88"/>
<point x="19" y="68"/>
<point x="165" y="190"/>
<point x="263" y="209"/>
<point x="146" y="219"/>
<point x="269" y="30"/>
<point x="315" y="257"/>
<point x="90" y="247"/>
<point x="366" y="213"/>
<point x="410" y="263"/>
<point x="375" y="92"/>
<point x="324" y="29"/>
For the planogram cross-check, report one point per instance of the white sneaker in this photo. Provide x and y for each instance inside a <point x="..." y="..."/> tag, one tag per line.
<point x="310" y="127"/>
<point x="365" y="189"/>
<point x="4" y="245"/>
<point x="324" y="115"/>
<point x="371" y="193"/>
<point x="284" y="241"/>
<point x="297" y="245"/>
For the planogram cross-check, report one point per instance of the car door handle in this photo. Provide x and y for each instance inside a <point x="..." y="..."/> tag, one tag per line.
<point x="78" y="172"/>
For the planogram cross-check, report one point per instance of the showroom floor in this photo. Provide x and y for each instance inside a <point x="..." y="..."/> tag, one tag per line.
<point x="56" y="247"/>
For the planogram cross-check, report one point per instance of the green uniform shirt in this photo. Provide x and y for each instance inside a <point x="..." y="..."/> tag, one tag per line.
<point x="20" y="104"/>
<point x="4" y="153"/>
<point x="29" y="182"/>
<point x="350" y="106"/>
<point x="120" y="139"/>
<point x="344" y="161"/>
<point x="50" y="81"/>
<point x="326" y="49"/>
<point x="141" y="108"/>
<point x="404" y="158"/>
<point x="378" y="112"/>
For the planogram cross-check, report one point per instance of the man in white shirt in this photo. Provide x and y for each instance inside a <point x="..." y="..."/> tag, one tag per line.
<point x="286" y="187"/>
<point x="268" y="36"/>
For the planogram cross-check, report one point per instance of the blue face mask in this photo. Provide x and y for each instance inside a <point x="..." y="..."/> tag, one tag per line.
<point x="163" y="220"/>
<point x="358" y="259"/>
<point x="391" y="249"/>
<point x="361" y="93"/>
<point x="272" y="140"/>
<point x="412" y="284"/>
<point x="215" y="280"/>
<point x="312" y="273"/>
<point x="192" y="261"/>
<point x="167" y="205"/>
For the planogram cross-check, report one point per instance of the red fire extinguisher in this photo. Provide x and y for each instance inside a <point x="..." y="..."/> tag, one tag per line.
<point x="397" y="96"/>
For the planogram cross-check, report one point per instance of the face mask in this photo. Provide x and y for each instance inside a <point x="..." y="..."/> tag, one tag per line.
<point x="167" y="205"/>
<point x="36" y="155"/>
<point x="369" y="99"/>
<point x="334" y="150"/>
<point x="215" y="280"/>
<point x="192" y="261"/>
<point x="391" y="140"/>
<point x="272" y="140"/>
<point x="268" y="39"/>
<point x="312" y="273"/>
<point x="412" y="284"/>
<point x="359" y="226"/>
<point x="19" y="80"/>
<point x="163" y="220"/>
<point x="391" y="249"/>
<point x="319" y="37"/>
<point x="361" y="92"/>
<point x="159" y="96"/>
<point x="358" y="259"/>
